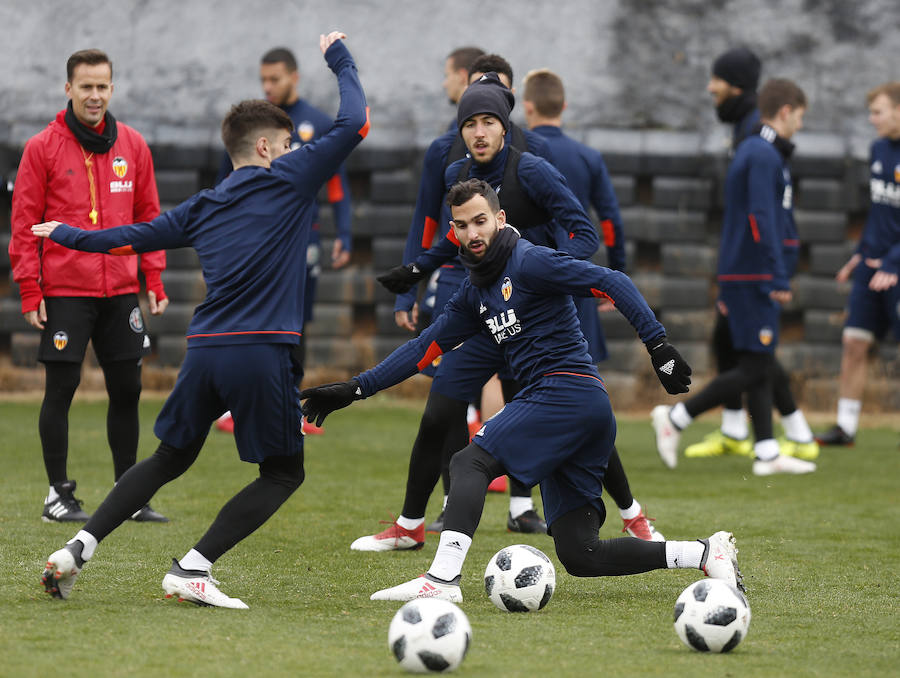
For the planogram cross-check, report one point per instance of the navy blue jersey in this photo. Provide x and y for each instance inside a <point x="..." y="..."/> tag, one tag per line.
<point x="311" y="124"/>
<point x="250" y="232"/>
<point x="881" y="236"/>
<point x="427" y="217"/>
<point x="587" y="177"/>
<point x="528" y="312"/>
<point x="750" y="249"/>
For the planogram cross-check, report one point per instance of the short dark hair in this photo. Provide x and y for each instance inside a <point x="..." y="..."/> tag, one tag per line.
<point x="463" y="191"/>
<point x="491" y="62"/>
<point x="779" y="92"/>
<point x="247" y="119"/>
<point x="281" y="55"/>
<point x="545" y="90"/>
<point x="463" y="57"/>
<point x="89" y="57"/>
<point x="890" y="89"/>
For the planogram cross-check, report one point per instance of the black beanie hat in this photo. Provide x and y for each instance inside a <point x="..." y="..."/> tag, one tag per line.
<point x="738" y="67"/>
<point x="486" y="95"/>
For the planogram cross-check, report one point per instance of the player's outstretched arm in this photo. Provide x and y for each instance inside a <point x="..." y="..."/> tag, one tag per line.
<point x="325" y="399"/>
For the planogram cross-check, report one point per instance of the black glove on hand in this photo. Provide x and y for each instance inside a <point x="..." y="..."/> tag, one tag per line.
<point x="673" y="372"/>
<point x="401" y="278"/>
<point x="325" y="399"/>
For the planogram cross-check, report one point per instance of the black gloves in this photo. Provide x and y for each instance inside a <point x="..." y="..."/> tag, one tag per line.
<point x="325" y="399"/>
<point x="673" y="372"/>
<point x="401" y="278"/>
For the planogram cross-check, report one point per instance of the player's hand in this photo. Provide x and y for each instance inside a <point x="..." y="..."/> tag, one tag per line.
<point x="156" y="307"/>
<point x="326" y="41"/>
<point x="325" y="399"/>
<point x="606" y="306"/>
<point x="671" y="369"/>
<point x="723" y="309"/>
<point x="843" y="274"/>
<point x="339" y="256"/>
<point x="45" y="229"/>
<point x="407" y="319"/>
<point x="37" y="318"/>
<point x="401" y="279"/>
<point x="882" y="280"/>
<point x="781" y="296"/>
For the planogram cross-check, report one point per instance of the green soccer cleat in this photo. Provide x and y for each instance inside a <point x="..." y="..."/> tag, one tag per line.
<point x="717" y="444"/>
<point x="792" y="448"/>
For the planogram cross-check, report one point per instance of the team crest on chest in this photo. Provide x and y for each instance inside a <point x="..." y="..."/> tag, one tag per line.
<point x="305" y="130"/>
<point x="135" y="321"/>
<point x="60" y="340"/>
<point x="766" y="335"/>
<point x="120" y="166"/>
<point x="506" y="289"/>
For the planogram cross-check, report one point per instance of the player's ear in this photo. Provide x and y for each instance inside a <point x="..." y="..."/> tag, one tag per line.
<point x="262" y="147"/>
<point x="501" y="218"/>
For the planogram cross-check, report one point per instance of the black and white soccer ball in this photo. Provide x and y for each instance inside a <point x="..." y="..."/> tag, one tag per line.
<point x="520" y="578"/>
<point x="711" y="615"/>
<point x="429" y="635"/>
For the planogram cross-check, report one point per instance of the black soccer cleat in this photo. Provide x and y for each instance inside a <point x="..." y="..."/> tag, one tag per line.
<point x="146" y="514"/>
<point x="65" y="508"/>
<point x="527" y="523"/>
<point x="835" y="436"/>
<point x="437" y="526"/>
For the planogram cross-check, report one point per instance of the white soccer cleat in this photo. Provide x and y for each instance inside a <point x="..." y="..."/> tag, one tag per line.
<point x="61" y="572"/>
<point x="198" y="587"/>
<point x="421" y="587"/>
<point x="782" y="464"/>
<point x="394" y="538"/>
<point x="667" y="436"/>
<point x="720" y="559"/>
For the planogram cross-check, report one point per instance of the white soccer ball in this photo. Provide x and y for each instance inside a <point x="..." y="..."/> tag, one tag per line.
<point x="428" y="634"/>
<point x="520" y="578"/>
<point x="711" y="615"/>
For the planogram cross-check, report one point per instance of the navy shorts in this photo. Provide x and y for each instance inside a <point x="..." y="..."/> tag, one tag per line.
<point x="257" y="382"/>
<point x="114" y="325"/>
<point x="873" y="311"/>
<point x="463" y="371"/>
<point x="558" y="432"/>
<point x="753" y="317"/>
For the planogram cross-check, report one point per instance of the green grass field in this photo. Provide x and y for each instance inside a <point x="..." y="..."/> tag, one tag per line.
<point x="819" y="553"/>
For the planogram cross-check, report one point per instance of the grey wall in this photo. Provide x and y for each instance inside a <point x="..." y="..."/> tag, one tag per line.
<point x="640" y="63"/>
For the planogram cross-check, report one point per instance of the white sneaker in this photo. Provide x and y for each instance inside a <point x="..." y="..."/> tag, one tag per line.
<point x="394" y="538"/>
<point x="720" y="559"/>
<point x="667" y="436"/>
<point x="196" y="586"/>
<point x="421" y="587"/>
<point x="782" y="464"/>
<point x="62" y="570"/>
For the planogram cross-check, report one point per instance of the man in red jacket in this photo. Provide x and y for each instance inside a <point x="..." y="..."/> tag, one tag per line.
<point x="87" y="170"/>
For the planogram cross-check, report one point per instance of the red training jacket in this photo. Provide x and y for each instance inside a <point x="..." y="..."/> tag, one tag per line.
<point x="52" y="185"/>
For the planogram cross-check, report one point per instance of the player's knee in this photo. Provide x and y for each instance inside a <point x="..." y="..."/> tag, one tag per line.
<point x="473" y="460"/>
<point x="285" y="472"/>
<point x="576" y="557"/>
<point x="174" y="461"/>
<point x="440" y="412"/>
<point x="123" y="382"/>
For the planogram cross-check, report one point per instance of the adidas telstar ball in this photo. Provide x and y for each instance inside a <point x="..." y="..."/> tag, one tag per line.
<point x="711" y="615"/>
<point x="520" y="578"/>
<point x="429" y="635"/>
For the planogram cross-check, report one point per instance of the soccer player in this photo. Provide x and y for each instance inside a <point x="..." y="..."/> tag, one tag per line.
<point x="96" y="173"/>
<point x="874" y="303"/>
<point x="279" y="74"/>
<point x="753" y="283"/>
<point x="559" y="430"/>
<point x="249" y="232"/>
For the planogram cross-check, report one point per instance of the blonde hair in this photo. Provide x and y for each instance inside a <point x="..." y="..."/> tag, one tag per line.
<point x="545" y="90"/>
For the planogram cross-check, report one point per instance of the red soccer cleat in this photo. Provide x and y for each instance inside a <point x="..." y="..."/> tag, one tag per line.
<point x="498" y="484"/>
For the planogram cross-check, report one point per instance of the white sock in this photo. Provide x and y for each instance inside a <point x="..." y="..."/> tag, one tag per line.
<point x="848" y="415"/>
<point x="631" y="512"/>
<point x="410" y="523"/>
<point x="518" y="505"/>
<point x="52" y="495"/>
<point x="684" y="555"/>
<point x="796" y="428"/>
<point x="444" y="505"/>
<point x="451" y="552"/>
<point x="194" y="560"/>
<point x="89" y="541"/>
<point x="734" y="423"/>
<point x="766" y="450"/>
<point x="679" y="416"/>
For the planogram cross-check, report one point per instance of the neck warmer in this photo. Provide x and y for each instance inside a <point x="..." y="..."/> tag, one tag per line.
<point x="781" y="144"/>
<point x="735" y="108"/>
<point x="87" y="137"/>
<point x="485" y="271"/>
